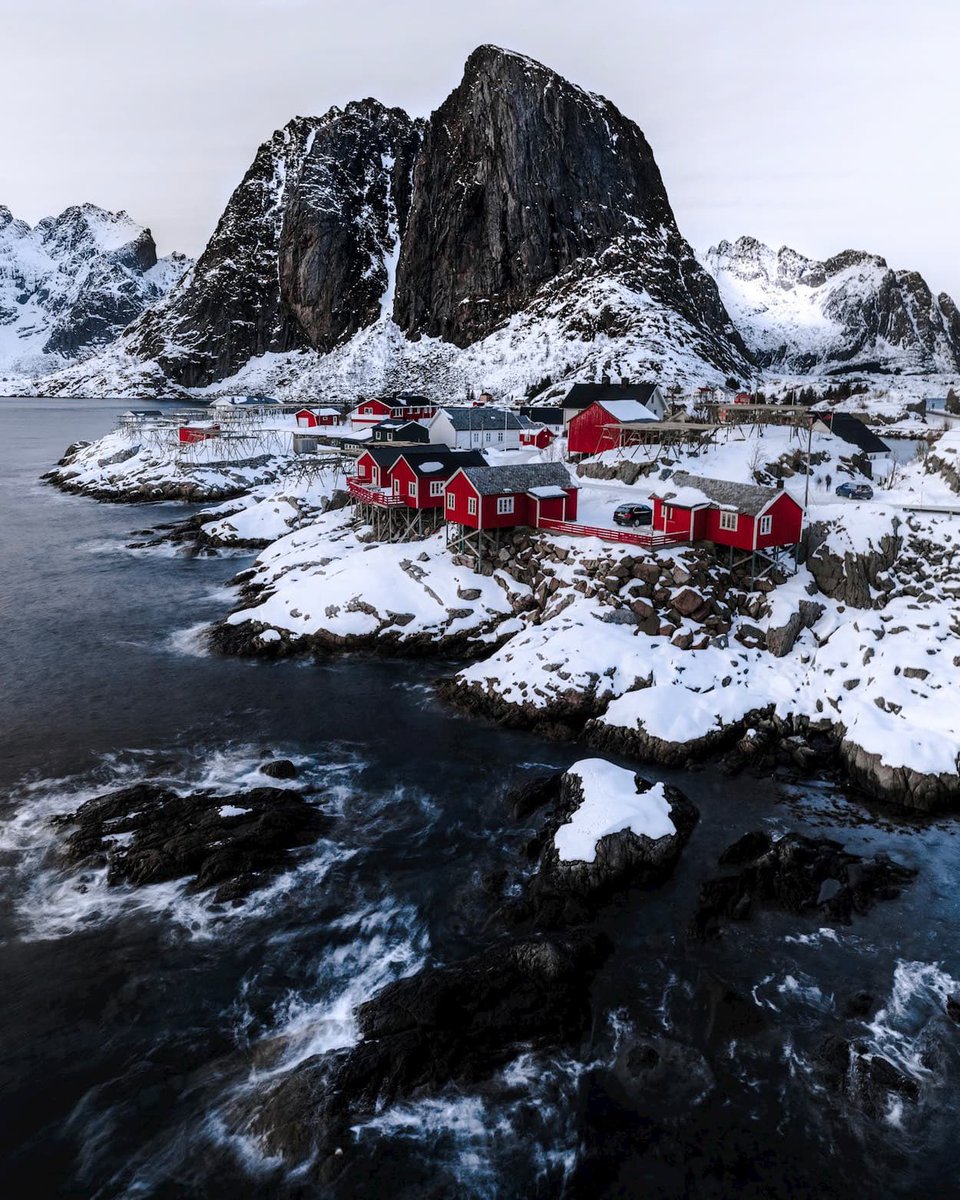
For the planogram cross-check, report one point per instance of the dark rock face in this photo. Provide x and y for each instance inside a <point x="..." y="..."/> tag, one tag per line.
<point x="523" y="176"/>
<point x="298" y="257"/>
<point x="148" y="833"/>
<point x="797" y="874"/>
<point x="450" y="1024"/>
<point x="867" y="1080"/>
<point x="344" y="221"/>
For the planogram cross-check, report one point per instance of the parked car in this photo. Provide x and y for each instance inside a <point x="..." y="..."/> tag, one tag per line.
<point x="633" y="514"/>
<point x="855" y="491"/>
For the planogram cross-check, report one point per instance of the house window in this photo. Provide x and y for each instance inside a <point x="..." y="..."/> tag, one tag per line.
<point x="500" y="436"/>
<point x="667" y="513"/>
<point x="728" y="520"/>
<point x="766" y="525"/>
<point x="504" y="505"/>
<point x="472" y="506"/>
<point x="436" y="487"/>
<point x="412" y="488"/>
<point x="451" y="500"/>
<point x="368" y="409"/>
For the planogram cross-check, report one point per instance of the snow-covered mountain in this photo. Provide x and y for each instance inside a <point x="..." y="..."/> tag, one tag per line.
<point x="850" y="312"/>
<point x="522" y="232"/>
<point x="71" y="283"/>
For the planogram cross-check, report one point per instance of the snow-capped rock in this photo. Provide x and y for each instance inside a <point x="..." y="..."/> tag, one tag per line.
<point x="524" y="231"/>
<point x="852" y="311"/>
<point x="71" y="283"/>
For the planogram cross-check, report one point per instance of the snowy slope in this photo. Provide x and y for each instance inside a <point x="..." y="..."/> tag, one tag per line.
<point x="71" y="283"/>
<point x="851" y="311"/>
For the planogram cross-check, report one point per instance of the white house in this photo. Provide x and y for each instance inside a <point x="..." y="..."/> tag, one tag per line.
<point x="467" y="428"/>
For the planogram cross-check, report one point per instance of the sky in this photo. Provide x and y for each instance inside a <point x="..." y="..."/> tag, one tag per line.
<point x="819" y="125"/>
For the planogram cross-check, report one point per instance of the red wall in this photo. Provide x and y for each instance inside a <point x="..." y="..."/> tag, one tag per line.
<point x="785" y="527"/>
<point x="380" y="410"/>
<point x="189" y="435"/>
<point x="541" y="439"/>
<point x="586" y="433"/>
<point x="524" y="507"/>
<point x="679" y="521"/>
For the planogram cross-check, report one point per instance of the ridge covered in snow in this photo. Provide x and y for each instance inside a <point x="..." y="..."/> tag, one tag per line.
<point x="850" y="312"/>
<point x="70" y="284"/>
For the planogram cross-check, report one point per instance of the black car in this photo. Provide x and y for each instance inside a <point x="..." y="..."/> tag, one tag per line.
<point x="633" y="514"/>
<point x="855" y="491"/>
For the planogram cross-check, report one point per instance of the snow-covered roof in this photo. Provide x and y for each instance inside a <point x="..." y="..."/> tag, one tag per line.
<point x="319" y="412"/>
<point x="481" y="418"/>
<point x="491" y="481"/>
<point x="546" y="493"/>
<point x="690" y="491"/>
<point x="428" y="460"/>
<point x="627" y="410"/>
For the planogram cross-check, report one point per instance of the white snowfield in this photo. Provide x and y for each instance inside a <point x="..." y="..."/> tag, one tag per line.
<point x="611" y="804"/>
<point x="324" y="582"/>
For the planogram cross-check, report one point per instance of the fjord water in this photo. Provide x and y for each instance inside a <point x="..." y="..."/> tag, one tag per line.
<point x="134" y="1023"/>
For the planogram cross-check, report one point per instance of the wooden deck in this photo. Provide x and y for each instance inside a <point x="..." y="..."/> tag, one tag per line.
<point x="651" y="541"/>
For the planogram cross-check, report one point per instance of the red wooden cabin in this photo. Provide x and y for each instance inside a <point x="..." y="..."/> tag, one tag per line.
<point x="419" y="478"/>
<point x="311" y="418"/>
<point x="741" y="515"/>
<point x="198" y="433"/>
<point x="370" y="412"/>
<point x="504" y="497"/>
<point x="601" y="426"/>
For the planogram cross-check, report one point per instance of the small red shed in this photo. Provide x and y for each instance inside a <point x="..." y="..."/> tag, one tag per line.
<point x="311" y="418"/>
<point x="504" y="497"/>
<point x="600" y="426"/>
<point x="370" y="412"/>
<point x="190" y="434"/>
<point x="742" y="515"/>
<point x="536" y="436"/>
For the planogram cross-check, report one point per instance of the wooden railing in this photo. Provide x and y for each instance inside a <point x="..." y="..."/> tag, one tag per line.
<point x="368" y="495"/>
<point x="651" y="540"/>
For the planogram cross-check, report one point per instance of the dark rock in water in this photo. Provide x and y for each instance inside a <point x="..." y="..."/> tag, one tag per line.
<point x="860" y="1004"/>
<point x="149" y="833"/>
<point x="800" y="875"/>
<point x="564" y="892"/>
<point x="526" y="798"/>
<point x="869" y="1081"/>
<point x="661" y="1076"/>
<point x="726" y="1015"/>
<point x="279" y="768"/>
<point x="452" y="1024"/>
<point x="953" y="1007"/>
<point x="746" y="849"/>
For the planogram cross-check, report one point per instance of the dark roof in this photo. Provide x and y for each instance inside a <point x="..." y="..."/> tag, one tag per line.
<point x="747" y="498"/>
<point x="399" y="423"/>
<point x="386" y="456"/>
<point x="481" y="418"/>
<point x="409" y="399"/>
<point x="546" y="414"/>
<point x="582" y="395"/>
<point x="491" y="481"/>
<point x="852" y="430"/>
<point x="143" y="412"/>
<point x="451" y="461"/>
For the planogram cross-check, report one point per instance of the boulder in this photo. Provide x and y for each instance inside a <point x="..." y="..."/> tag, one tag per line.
<point x="279" y="768"/>
<point x="149" y="833"/>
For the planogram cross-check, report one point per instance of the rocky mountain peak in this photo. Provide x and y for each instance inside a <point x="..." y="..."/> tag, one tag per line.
<point x="521" y="174"/>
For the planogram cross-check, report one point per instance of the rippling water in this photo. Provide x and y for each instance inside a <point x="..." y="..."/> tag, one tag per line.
<point x="133" y="1022"/>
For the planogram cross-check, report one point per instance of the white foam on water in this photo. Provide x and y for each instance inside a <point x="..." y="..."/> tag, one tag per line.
<point x="918" y="996"/>
<point x="191" y="642"/>
<point x="822" y="935"/>
<point x="53" y="900"/>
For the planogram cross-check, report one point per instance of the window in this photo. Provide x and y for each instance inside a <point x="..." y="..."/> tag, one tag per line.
<point x="412" y="488"/>
<point x="766" y="524"/>
<point x="729" y="520"/>
<point x="436" y="488"/>
<point x="472" y="506"/>
<point x="667" y="513"/>
<point x="504" y="505"/>
<point x="451" y="500"/>
<point x="367" y="409"/>
<point x="500" y="436"/>
<point x="396" y="487"/>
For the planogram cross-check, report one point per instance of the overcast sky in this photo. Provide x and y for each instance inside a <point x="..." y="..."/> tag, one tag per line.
<point x="822" y="125"/>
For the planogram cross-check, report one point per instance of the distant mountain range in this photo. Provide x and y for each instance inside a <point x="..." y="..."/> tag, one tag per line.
<point x="71" y="284"/>
<point x="520" y="237"/>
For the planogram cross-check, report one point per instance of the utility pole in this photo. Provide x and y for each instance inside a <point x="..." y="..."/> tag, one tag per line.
<point x="806" y="486"/>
